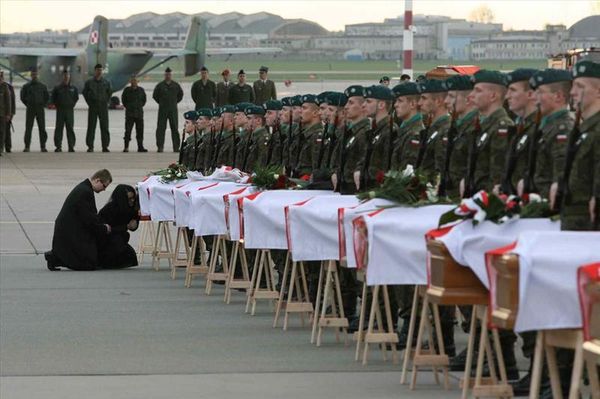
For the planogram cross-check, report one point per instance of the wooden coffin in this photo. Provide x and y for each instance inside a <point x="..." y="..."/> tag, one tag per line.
<point x="506" y="303"/>
<point x="452" y="283"/>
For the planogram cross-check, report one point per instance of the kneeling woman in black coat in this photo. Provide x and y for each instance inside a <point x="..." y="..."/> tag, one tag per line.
<point x="121" y="213"/>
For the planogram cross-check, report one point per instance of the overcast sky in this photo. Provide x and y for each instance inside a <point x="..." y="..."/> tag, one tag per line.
<point x="27" y="16"/>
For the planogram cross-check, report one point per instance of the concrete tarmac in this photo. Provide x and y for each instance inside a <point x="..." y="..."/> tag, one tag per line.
<point x="138" y="334"/>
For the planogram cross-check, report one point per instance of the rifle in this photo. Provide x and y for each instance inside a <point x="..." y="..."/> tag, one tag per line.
<point x="247" y="150"/>
<point x="181" y="147"/>
<point x="300" y="144"/>
<point x="393" y="136"/>
<point x="423" y="140"/>
<point x="322" y="146"/>
<point x="342" y="158"/>
<point x="364" y="175"/>
<point x="332" y="139"/>
<point x="218" y="147"/>
<point x="271" y="143"/>
<point x="234" y="149"/>
<point x="529" y="183"/>
<point x="470" y="179"/>
<point x="572" y="147"/>
<point x="446" y="181"/>
<point x="195" y="146"/>
<point x="515" y="133"/>
<point x="288" y="169"/>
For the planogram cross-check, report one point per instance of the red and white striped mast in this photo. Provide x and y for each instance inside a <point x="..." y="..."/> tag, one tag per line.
<point x="407" y="40"/>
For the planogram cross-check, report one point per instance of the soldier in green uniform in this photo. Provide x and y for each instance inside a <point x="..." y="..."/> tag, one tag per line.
<point x="491" y="143"/>
<point x="96" y="92"/>
<point x="240" y="123"/>
<point x="6" y="144"/>
<point x="134" y="99"/>
<point x="204" y="91"/>
<point x="307" y="150"/>
<point x="377" y="105"/>
<point x="222" y="96"/>
<point x="241" y="92"/>
<point x="552" y="87"/>
<point x="264" y="88"/>
<point x="408" y="143"/>
<point x="335" y="110"/>
<point x="201" y="147"/>
<point x="352" y="145"/>
<point x="208" y="135"/>
<point x="34" y="95"/>
<point x="64" y="97"/>
<point x="275" y="139"/>
<point x="167" y="94"/>
<point x="296" y="102"/>
<point x="431" y="103"/>
<point x="459" y="87"/>
<point x="581" y="187"/>
<point x="224" y="152"/>
<point x="522" y="102"/>
<point x="258" y="139"/>
<point x="187" y="150"/>
<point x="285" y="123"/>
<point x="5" y="110"/>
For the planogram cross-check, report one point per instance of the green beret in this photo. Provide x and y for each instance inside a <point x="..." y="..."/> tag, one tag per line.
<point x="254" y="110"/>
<point x="228" y="109"/>
<point x="520" y="75"/>
<point x="432" y="86"/>
<point x="296" y="101"/>
<point x="458" y="83"/>
<point x="309" y="98"/>
<point x="378" y="92"/>
<point x="322" y="97"/>
<point x="586" y="69"/>
<point x="354" y="91"/>
<point x="337" y="99"/>
<point x="241" y="107"/>
<point x="487" y="76"/>
<point x="406" y="89"/>
<point x="273" y="105"/>
<point x="216" y="112"/>
<point x="204" y="112"/>
<point x="548" y="76"/>
<point x="286" y="101"/>
<point x="190" y="115"/>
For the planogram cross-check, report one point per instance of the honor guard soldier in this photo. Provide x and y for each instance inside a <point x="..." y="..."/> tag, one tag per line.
<point x="167" y="94"/>
<point x="64" y="97"/>
<point x="325" y="138"/>
<point x="240" y="123"/>
<point x="200" y="150"/>
<point x="134" y="99"/>
<point x="222" y="97"/>
<point x="548" y="148"/>
<point x="432" y="150"/>
<point x="207" y="134"/>
<point x="335" y="104"/>
<point x="459" y="87"/>
<point x="187" y="150"/>
<point x="522" y="102"/>
<point x="257" y="139"/>
<point x="285" y="128"/>
<point x="275" y="139"/>
<point x="34" y="95"/>
<point x="378" y="104"/>
<point x="241" y="92"/>
<point x="407" y="145"/>
<point x="307" y="144"/>
<point x="488" y="154"/>
<point x="352" y="144"/>
<point x="5" y="111"/>
<point x="96" y="92"/>
<point x="224" y="152"/>
<point x="204" y="91"/>
<point x="264" y="88"/>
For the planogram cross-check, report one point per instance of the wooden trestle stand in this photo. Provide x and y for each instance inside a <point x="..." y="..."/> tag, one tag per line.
<point x="263" y="271"/>
<point x="147" y="237"/>
<point x="238" y="250"/>
<point x="329" y="289"/>
<point x="293" y="280"/>
<point x="163" y="236"/>
<point x="181" y="252"/>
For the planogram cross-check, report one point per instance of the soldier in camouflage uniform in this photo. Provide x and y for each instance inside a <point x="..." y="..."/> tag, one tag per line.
<point x="167" y="95"/>
<point x="34" y="95"/>
<point x="352" y="145"/>
<point x="275" y="137"/>
<point x="552" y="87"/>
<point x="491" y="143"/>
<point x="431" y="103"/>
<point x="224" y="145"/>
<point x="258" y="139"/>
<point x="64" y="97"/>
<point x="377" y="105"/>
<point x="407" y="144"/>
<point x="522" y="102"/>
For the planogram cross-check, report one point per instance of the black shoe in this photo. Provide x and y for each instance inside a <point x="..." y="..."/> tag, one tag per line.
<point x="353" y="325"/>
<point x="512" y="373"/>
<point x="8" y="151"/>
<point x="142" y="149"/>
<point x="58" y="150"/>
<point x="26" y="149"/>
<point x="43" y="149"/>
<point x="458" y="363"/>
<point x="176" y="150"/>
<point x="51" y="261"/>
<point x="159" y="150"/>
<point x="71" y="149"/>
<point x="90" y="149"/>
<point x="105" y="149"/>
<point x="521" y="387"/>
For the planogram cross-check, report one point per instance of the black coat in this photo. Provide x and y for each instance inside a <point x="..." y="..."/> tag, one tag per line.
<point x="77" y="229"/>
<point x="114" y="251"/>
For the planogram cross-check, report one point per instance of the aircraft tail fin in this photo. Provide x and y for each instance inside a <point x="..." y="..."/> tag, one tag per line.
<point x="195" y="42"/>
<point x="97" y="43"/>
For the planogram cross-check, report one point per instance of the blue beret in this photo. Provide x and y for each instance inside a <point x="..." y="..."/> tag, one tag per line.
<point x="458" y="83"/>
<point x="487" y="76"/>
<point x="586" y="69"/>
<point x="190" y="115"/>
<point x="228" y="109"/>
<point x="406" y="89"/>
<point x="354" y="91"/>
<point x="378" y="92"/>
<point x="273" y="105"/>
<point x="254" y="110"/>
<point x="548" y="76"/>
<point x="432" y="86"/>
<point x="520" y="75"/>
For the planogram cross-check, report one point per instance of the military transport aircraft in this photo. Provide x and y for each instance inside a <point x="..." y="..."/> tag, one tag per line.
<point x="119" y="64"/>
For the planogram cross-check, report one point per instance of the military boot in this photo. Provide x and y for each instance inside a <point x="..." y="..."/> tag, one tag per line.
<point x="126" y="146"/>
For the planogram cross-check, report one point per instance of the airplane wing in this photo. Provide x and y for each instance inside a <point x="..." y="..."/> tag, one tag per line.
<point x="216" y="51"/>
<point x="39" y="51"/>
